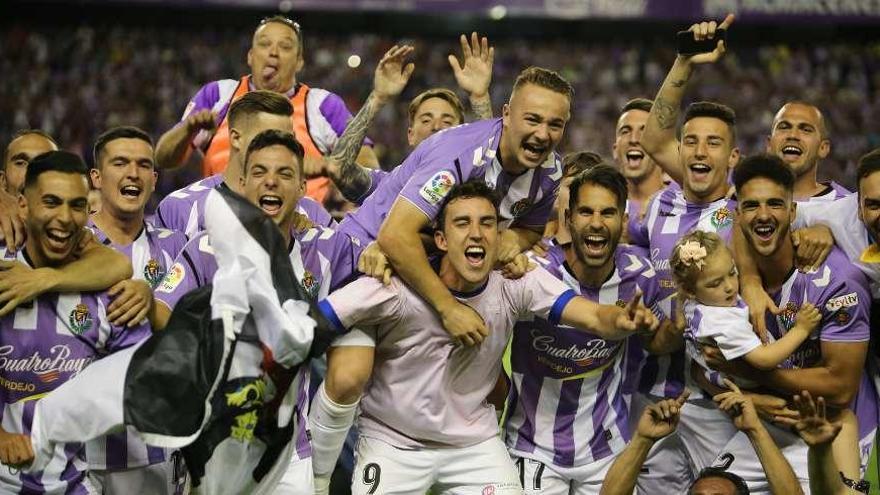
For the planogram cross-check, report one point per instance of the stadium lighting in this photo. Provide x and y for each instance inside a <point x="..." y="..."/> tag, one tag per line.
<point x="354" y="61"/>
<point x="498" y="12"/>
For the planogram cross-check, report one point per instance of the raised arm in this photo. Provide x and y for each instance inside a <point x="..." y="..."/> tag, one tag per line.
<point x="389" y="79"/>
<point x="659" y="139"/>
<point x="474" y="75"/>
<point x="609" y="321"/>
<point x="175" y="146"/>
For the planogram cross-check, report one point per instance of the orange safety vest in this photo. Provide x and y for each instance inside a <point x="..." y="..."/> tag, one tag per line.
<point x="217" y="155"/>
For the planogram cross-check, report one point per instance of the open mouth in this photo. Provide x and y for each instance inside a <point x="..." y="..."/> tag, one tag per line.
<point x="269" y="71"/>
<point x="271" y="204"/>
<point x="634" y="158"/>
<point x="58" y="239"/>
<point x="131" y="191"/>
<point x="595" y="244"/>
<point x="764" y="231"/>
<point x="700" y="171"/>
<point x="534" y="151"/>
<point x="475" y="255"/>
<point x="791" y="152"/>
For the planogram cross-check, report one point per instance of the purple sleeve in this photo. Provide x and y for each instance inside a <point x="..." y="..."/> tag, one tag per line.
<point x="637" y="230"/>
<point x="434" y="171"/>
<point x="316" y="213"/>
<point x="169" y="214"/>
<point x="845" y="314"/>
<point x="337" y="114"/>
<point x="204" y="99"/>
<point x="194" y="267"/>
<point x="376" y="177"/>
<point x="124" y="337"/>
<point x="173" y="242"/>
<point x="346" y="253"/>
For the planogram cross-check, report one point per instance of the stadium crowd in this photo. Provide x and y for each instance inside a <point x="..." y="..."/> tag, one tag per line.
<point x="691" y="314"/>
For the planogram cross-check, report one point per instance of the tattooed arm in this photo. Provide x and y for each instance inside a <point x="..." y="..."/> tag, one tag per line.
<point x="659" y="139"/>
<point x="390" y="78"/>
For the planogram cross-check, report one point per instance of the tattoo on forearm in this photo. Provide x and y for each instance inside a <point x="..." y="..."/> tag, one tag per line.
<point x="354" y="181"/>
<point x="481" y="109"/>
<point x="666" y="114"/>
<point x="678" y="82"/>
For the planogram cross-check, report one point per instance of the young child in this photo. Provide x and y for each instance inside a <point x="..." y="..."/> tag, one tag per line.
<point x="715" y="315"/>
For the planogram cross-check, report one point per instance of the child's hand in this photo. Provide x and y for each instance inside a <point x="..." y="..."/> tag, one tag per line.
<point x="808" y="318"/>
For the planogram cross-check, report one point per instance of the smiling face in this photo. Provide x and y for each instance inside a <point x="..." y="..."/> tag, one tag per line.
<point x="275" y="57"/>
<point x="434" y="114"/>
<point x="765" y="211"/>
<point x="707" y="154"/>
<point x="20" y="151"/>
<point x="632" y="161"/>
<point x="273" y="183"/>
<point x="595" y="225"/>
<point x="55" y="210"/>
<point x="869" y="204"/>
<point x="534" y="123"/>
<point x="125" y="177"/>
<point x="469" y="240"/>
<point x="717" y="283"/>
<point x="797" y="137"/>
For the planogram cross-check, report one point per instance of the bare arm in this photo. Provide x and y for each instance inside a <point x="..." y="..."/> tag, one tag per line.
<point x="159" y="315"/>
<point x="768" y="357"/>
<point x="345" y="164"/>
<point x="836" y="378"/>
<point x="174" y="147"/>
<point x="608" y="321"/>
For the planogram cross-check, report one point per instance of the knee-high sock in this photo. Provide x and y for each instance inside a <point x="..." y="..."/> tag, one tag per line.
<point x="329" y="423"/>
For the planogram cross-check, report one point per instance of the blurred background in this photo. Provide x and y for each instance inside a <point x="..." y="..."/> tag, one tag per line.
<point x="76" y="68"/>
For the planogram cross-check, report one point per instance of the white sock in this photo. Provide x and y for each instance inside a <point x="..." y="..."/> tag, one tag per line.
<point x="329" y="423"/>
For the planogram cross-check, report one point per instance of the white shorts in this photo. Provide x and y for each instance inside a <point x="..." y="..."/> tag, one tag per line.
<point x="547" y="479"/>
<point x="355" y="338"/>
<point x="298" y="479"/>
<point x="156" y="479"/>
<point x="668" y="468"/>
<point x="482" y="469"/>
<point x="739" y="457"/>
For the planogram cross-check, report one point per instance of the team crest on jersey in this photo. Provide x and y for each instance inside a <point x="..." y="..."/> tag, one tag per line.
<point x="310" y="284"/>
<point x="787" y="316"/>
<point x="437" y="187"/>
<point x="842" y="317"/>
<point x="80" y="319"/>
<point x="153" y="273"/>
<point x="172" y="279"/>
<point x="722" y="218"/>
<point x="520" y="207"/>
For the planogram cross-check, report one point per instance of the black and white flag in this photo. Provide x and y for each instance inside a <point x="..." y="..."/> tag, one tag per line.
<point x="220" y="382"/>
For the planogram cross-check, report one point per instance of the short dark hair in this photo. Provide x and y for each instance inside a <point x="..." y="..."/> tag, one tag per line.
<point x="22" y="133"/>
<point x="54" y="161"/>
<point x="274" y="137"/>
<point x="443" y="94"/>
<point x="642" y="104"/>
<point x="544" y="78"/>
<point x="604" y="176"/>
<point x="739" y="485"/>
<point x="577" y="161"/>
<point x="114" y="133"/>
<point x="716" y="111"/>
<point x="869" y="164"/>
<point x="766" y="166"/>
<point x="259" y="101"/>
<point x="473" y="188"/>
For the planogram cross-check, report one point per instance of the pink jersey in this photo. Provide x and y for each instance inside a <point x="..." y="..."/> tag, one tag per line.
<point x="426" y="391"/>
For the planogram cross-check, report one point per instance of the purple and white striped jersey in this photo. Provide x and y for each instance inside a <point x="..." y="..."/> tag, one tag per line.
<point x="425" y="391"/>
<point x="450" y="157"/>
<point x="669" y="216"/>
<point x="184" y="209"/>
<point x="840" y="291"/>
<point x="322" y="260"/>
<point x="152" y="253"/>
<point x="571" y="391"/>
<point x="832" y="191"/>
<point x="326" y="113"/>
<point x="43" y="345"/>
